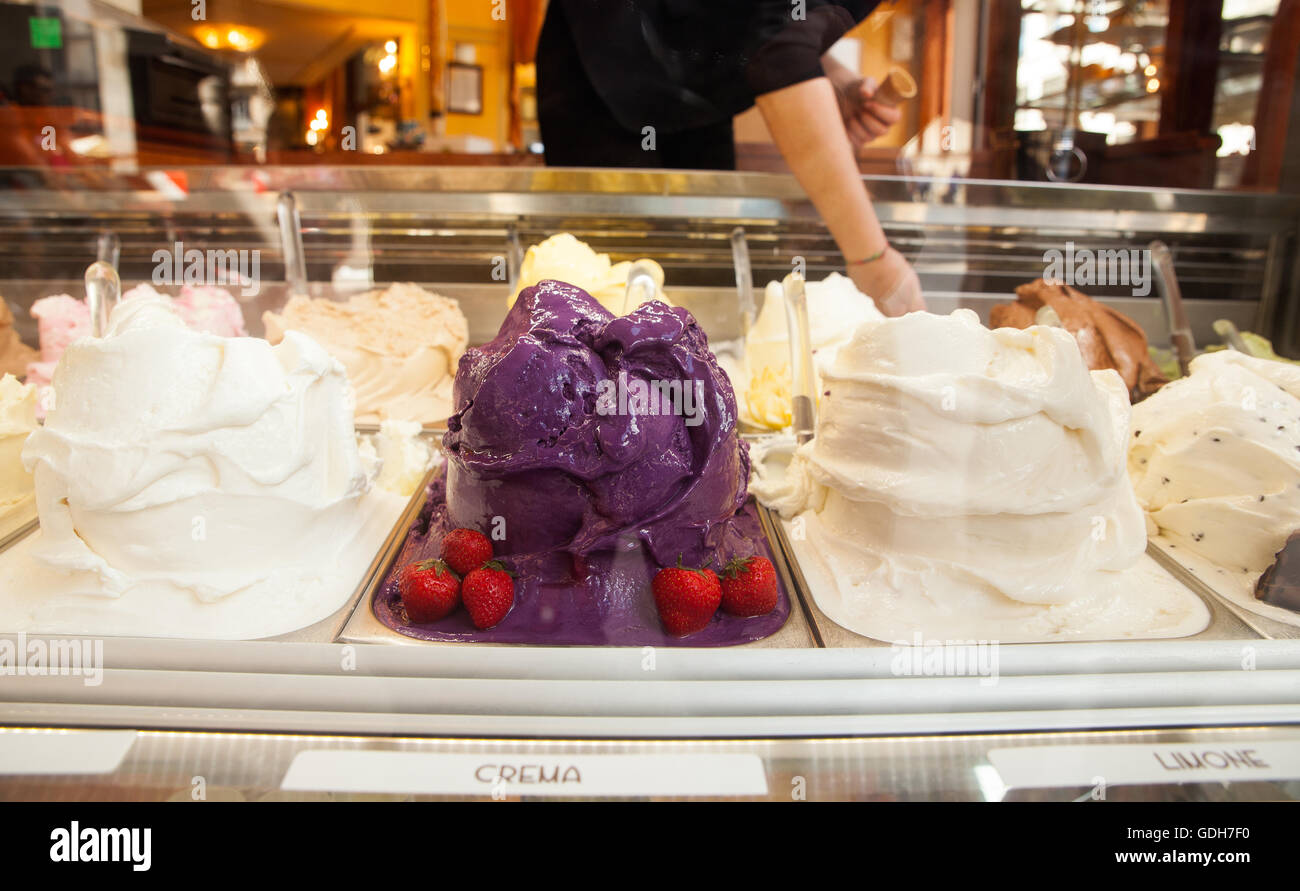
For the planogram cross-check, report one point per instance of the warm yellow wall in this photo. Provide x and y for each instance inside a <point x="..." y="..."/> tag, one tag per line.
<point x="472" y="22"/>
<point x="472" y="14"/>
<point x="410" y="10"/>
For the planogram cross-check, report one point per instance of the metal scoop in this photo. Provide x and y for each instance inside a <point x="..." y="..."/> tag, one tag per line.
<point x="103" y="291"/>
<point x="108" y="248"/>
<point x="641" y="287"/>
<point x="295" y="258"/>
<point x="1180" y="329"/>
<point x="744" y="281"/>
<point x="804" y="407"/>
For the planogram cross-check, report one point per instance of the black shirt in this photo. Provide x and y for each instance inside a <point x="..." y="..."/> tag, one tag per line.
<point x="679" y="64"/>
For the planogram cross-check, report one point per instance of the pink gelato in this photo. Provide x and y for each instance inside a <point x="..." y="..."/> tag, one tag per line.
<point x="210" y="309"/>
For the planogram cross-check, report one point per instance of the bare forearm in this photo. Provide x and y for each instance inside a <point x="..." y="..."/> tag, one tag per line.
<point x="806" y="125"/>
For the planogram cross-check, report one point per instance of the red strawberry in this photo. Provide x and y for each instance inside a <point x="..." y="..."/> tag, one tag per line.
<point x="466" y="549"/>
<point x="686" y="598"/>
<point x="489" y="592"/>
<point x="749" y="586"/>
<point x="430" y="590"/>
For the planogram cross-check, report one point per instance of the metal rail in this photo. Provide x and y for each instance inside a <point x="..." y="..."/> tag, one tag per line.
<point x="971" y="239"/>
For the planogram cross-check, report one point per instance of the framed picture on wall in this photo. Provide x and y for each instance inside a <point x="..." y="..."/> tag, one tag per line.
<point x="464" y="88"/>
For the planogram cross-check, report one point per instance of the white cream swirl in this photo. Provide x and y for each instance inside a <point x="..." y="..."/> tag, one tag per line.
<point x="967" y="481"/>
<point x="201" y="462"/>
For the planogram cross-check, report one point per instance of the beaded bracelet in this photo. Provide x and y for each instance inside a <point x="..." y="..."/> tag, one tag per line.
<point x="871" y="258"/>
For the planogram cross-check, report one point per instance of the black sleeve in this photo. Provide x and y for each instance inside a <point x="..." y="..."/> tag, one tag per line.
<point x="789" y="50"/>
<point x="675" y="64"/>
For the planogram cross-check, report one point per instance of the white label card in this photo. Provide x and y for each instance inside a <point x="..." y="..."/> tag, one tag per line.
<point x="1041" y="767"/>
<point x="507" y="774"/>
<point x="24" y="752"/>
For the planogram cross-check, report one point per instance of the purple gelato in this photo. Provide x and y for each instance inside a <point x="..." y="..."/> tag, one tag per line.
<point x="594" y="450"/>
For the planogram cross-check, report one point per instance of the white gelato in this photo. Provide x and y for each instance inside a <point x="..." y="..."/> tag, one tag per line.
<point x="564" y="258"/>
<point x="400" y="347"/>
<point x="1215" y="461"/>
<point x="193" y="485"/>
<point x="400" y="452"/>
<point x="835" y="309"/>
<point x="970" y="484"/>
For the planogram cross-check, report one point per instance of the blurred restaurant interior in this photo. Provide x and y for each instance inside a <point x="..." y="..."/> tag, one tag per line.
<point x="1161" y="93"/>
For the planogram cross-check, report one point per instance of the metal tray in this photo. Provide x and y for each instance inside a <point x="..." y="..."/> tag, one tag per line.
<point x="433" y="430"/>
<point x="328" y="630"/>
<point x="1263" y="625"/>
<point x="1224" y="623"/>
<point x="20" y="531"/>
<point x="364" y="627"/>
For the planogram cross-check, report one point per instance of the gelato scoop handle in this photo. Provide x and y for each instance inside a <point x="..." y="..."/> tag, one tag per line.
<point x="295" y="260"/>
<point x="641" y="287"/>
<point x="103" y="290"/>
<point x="744" y="280"/>
<point x="1180" y="329"/>
<point x="514" y="256"/>
<point x="804" y="401"/>
<point x="108" y="248"/>
<point x="1231" y="336"/>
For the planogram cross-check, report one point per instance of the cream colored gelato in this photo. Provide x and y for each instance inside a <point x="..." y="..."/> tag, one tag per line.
<point x="17" y="421"/>
<point x="564" y="258"/>
<point x="192" y="485"/>
<point x="400" y="347"/>
<point x="403" y="458"/>
<point x="835" y="309"/>
<point x="970" y="484"/>
<point x="1215" y="461"/>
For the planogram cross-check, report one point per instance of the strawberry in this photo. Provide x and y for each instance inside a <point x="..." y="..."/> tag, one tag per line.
<point x="489" y="592"/>
<point x="430" y="590"/>
<point x="749" y="586"/>
<point x="686" y="598"/>
<point x="466" y="549"/>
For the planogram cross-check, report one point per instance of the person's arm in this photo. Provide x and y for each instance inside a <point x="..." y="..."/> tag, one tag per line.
<point x="805" y="123"/>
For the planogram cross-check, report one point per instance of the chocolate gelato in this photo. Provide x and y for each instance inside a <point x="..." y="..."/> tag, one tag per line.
<point x="1280" y="583"/>
<point x="1108" y="339"/>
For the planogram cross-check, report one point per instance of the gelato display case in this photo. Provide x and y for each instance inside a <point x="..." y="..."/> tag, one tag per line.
<point x="1041" y="535"/>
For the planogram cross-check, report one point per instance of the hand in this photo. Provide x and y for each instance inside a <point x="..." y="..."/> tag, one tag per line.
<point x="864" y="120"/>
<point x="891" y="282"/>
